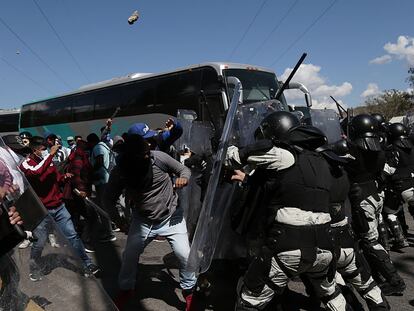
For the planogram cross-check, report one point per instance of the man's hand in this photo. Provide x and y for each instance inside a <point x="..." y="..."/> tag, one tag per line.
<point x="109" y="123"/>
<point x="169" y="124"/>
<point x="180" y="183"/>
<point x="68" y="175"/>
<point x="54" y="149"/>
<point x="238" y="175"/>
<point x="14" y="216"/>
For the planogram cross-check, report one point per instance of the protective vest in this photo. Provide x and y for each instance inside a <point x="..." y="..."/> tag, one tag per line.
<point x="305" y="185"/>
<point x="338" y="194"/>
<point x="366" y="168"/>
<point x="405" y="167"/>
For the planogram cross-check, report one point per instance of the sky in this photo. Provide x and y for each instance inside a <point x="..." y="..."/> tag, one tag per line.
<point x="356" y="49"/>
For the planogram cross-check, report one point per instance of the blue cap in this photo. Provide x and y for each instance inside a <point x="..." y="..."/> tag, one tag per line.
<point x="141" y="129"/>
<point x="47" y="134"/>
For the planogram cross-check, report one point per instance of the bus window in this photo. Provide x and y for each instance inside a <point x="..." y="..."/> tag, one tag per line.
<point x="178" y="91"/>
<point x="82" y="107"/>
<point x="106" y="102"/>
<point x="9" y="122"/>
<point x="257" y="85"/>
<point x="137" y="98"/>
<point x="59" y="111"/>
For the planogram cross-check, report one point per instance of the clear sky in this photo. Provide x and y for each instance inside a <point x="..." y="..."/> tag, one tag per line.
<point x="356" y="48"/>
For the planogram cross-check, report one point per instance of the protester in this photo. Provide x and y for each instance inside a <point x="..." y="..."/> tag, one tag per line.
<point x="100" y="160"/>
<point x="145" y="175"/>
<point x="159" y="140"/>
<point x="46" y="181"/>
<point x="71" y="142"/>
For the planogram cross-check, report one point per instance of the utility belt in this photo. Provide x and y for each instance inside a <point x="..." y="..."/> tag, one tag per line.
<point x="283" y="237"/>
<point x="343" y="236"/>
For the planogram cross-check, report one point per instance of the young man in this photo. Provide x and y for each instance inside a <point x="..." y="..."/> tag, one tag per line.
<point x="46" y="181"/>
<point x="146" y="177"/>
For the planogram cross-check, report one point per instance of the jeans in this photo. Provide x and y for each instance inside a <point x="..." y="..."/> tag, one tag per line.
<point x="104" y="228"/>
<point x="142" y="233"/>
<point x="62" y="218"/>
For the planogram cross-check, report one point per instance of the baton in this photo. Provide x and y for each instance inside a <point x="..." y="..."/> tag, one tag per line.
<point x="117" y="110"/>
<point x="93" y="205"/>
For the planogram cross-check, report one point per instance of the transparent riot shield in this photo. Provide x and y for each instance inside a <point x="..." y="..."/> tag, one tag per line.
<point x="248" y="118"/>
<point x="327" y="120"/>
<point x="42" y="277"/>
<point x="217" y="199"/>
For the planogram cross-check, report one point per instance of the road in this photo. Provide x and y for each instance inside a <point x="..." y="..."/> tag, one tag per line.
<point x="158" y="288"/>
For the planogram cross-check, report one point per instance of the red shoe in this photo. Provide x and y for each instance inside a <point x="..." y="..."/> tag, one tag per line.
<point x="189" y="300"/>
<point x="123" y="297"/>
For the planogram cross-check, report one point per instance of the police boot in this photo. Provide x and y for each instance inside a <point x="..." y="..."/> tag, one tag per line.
<point x="375" y="299"/>
<point x="394" y="285"/>
<point x="403" y="221"/>
<point x="383" y="237"/>
<point x="399" y="239"/>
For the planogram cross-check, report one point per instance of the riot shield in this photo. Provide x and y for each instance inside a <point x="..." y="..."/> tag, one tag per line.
<point x="327" y="120"/>
<point x="216" y="200"/>
<point x="42" y="277"/>
<point x="248" y="118"/>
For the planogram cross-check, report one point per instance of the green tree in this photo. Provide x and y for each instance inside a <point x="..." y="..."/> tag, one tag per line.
<point x="390" y="104"/>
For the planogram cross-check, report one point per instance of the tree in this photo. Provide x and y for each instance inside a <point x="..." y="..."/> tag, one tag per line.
<point x="390" y="104"/>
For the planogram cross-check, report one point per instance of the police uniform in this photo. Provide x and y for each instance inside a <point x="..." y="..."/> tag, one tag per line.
<point x="366" y="201"/>
<point x="298" y="236"/>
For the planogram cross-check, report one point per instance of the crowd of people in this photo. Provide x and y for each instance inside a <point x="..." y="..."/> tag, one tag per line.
<point x="338" y="231"/>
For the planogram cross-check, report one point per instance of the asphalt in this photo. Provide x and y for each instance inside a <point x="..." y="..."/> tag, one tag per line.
<point x="63" y="287"/>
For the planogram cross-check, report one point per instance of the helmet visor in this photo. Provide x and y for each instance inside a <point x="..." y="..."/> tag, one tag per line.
<point x="368" y="143"/>
<point x="404" y="142"/>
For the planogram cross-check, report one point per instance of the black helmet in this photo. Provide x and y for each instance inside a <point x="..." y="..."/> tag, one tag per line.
<point x="364" y="133"/>
<point x="398" y="135"/>
<point x="276" y="125"/>
<point x="25" y="134"/>
<point x="379" y="117"/>
<point x="340" y="147"/>
<point x="307" y="137"/>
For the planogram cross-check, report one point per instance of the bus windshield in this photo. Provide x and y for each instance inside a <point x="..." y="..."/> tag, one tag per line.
<point x="257" y="85"/>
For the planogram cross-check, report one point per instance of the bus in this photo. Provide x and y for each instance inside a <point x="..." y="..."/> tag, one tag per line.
<point x="149" y="98"/>
<point x="9" y="121"/>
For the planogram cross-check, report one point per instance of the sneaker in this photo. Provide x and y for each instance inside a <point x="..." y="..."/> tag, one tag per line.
<point x="189" y="299"/>
<point x="89" y="249"/>
<point x="109" y="239"/>
<point x="52" y="241"/>
<point x="115" y="227"/>
<point x="35" y="276"/>
<point x="25" y="244"/>
<point x="90" y="270"/>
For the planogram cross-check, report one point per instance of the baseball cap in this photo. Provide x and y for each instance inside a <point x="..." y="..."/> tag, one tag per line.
<point x="48" y="134"/>
<point x="142" y="130"/>
<point x="69" y="138"/>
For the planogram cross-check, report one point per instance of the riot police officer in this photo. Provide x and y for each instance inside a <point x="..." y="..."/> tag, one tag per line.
<point x="297" y="235"/>
<point x="351" y="263"/>
<point x="401" y="167"/>
<point x="366" y="201"/>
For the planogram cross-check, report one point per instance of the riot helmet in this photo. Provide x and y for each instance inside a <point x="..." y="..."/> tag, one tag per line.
<point x="307" y="137"/>
<point x="379" y="117"/>
<point x="398" y="135"/>
<point x="25" y="136"/>
<point x="364" y="133"/>
<point x="276" y="125"/>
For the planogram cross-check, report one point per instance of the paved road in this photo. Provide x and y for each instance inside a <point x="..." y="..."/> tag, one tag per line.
<point x="157" y="281"/>
<point x="158" y="288"/>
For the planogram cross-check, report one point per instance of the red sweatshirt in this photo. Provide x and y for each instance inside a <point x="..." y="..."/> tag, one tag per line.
<point x="44" y="178"/>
